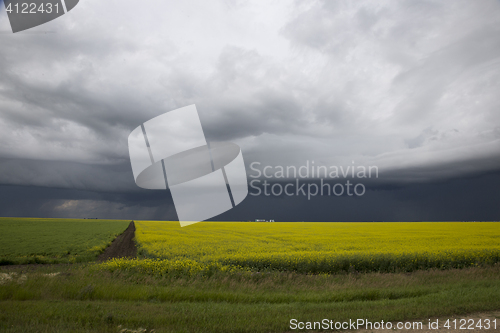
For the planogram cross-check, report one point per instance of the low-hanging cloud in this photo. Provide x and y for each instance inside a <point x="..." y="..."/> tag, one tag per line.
<point x="408" y="86"/>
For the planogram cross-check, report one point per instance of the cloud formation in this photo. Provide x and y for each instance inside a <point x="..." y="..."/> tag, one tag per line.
<point x="408" y="86"/>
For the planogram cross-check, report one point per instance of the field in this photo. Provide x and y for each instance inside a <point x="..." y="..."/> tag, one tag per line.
<point x="313" y="248"/>
<point x="55" y="240"/>
<point x="80" y="299"/>
<point x="254" y="277"/>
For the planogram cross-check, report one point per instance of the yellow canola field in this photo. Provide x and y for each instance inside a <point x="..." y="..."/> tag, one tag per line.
<point x="313" y="247"/>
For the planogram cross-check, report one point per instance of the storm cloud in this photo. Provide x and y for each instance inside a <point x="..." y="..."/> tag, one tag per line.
<point x="408" y="86"/>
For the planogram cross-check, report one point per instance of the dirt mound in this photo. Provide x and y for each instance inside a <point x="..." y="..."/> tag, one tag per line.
<point x="123" y="246"/>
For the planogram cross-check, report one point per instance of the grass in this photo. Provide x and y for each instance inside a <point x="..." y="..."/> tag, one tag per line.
<point x="32" y="240"/>
<point x="247" y="277"/>
<point x="83" y="298"/>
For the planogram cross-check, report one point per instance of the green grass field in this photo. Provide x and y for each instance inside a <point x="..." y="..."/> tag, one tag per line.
<point x="191" y="279"/>
<point x="34" y="240"/>
<point x="83" y="299"/>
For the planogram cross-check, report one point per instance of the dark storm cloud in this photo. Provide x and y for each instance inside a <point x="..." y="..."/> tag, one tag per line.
<point x="410" y="87"/>
<point x="249" y="99"/>
<point x="62" y="103"/>
<point x="473" y="198"/>
<point x="31" y="201"/>
<point x="69" y="175"/>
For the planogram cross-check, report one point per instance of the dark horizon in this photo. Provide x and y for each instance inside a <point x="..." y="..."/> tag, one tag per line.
<point x="432" y="201"/>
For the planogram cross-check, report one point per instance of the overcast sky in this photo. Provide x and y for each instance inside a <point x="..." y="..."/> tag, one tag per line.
<point x="409" y="86"/>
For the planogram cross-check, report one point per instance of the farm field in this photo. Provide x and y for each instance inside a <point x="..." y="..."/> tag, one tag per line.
<point x="313" y="247"/>
<point x="256" y="277"/>
<point x="33" y="240"/>
<point x="83" y="298"/>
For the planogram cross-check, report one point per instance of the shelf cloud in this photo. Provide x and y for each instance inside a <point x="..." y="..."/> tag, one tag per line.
<point x="408" y="86"/>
